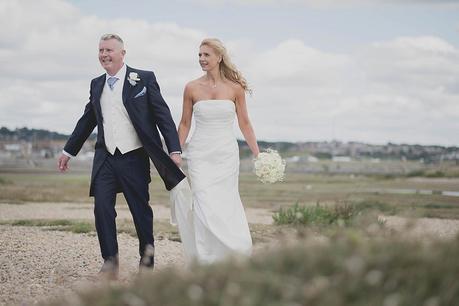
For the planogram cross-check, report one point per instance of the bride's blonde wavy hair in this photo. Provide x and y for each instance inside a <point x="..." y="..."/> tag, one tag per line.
<point x="227" y="68"/>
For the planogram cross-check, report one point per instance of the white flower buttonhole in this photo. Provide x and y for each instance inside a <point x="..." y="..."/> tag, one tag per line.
<point x="133" y="78"/>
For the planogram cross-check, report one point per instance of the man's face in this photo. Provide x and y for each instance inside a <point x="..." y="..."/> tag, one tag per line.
<point x="111" y="55"/>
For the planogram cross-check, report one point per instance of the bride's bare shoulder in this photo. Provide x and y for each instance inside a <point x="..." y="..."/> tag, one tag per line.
<point x="194" y="83"/>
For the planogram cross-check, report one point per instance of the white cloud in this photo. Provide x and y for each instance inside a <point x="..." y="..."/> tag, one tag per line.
<point x="419" y="78"/>
<point x="292" y="63"/>
<point x="48" y="53"/>
<point x="402" y="90"/>
<point x="330" y="3"/>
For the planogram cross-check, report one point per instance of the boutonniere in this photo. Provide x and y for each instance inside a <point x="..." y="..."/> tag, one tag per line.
<point x="133" y="78"/>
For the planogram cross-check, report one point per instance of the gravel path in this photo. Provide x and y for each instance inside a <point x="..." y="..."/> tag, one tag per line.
<point x="424" y="227"/>
<point x="36" y="263"/>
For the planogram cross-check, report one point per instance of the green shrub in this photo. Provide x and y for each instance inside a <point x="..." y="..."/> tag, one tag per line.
<point x="4" y="181"/>
<point x="317" y="215"/>
<point x="367" y="205"/>
<point x="440" y="206"/>
<point x="81" y="227"/>
<point x="416" y="173"/>
<point x="342" y="213"/>
<point x="73" y="226"/>
<point x="341" y="271"/>
<point x="162" y="229"/>
<point x="41" y="222"/>
<point x="437" y="173"/>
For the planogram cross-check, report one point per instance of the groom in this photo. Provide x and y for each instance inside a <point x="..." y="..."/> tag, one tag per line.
<point x="127" y="107"/>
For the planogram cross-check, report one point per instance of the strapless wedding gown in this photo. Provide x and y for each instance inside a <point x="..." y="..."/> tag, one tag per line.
<point x="210" y="217"/>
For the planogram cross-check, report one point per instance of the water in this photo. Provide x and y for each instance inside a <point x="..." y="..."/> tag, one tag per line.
<point x="420" y="191"/>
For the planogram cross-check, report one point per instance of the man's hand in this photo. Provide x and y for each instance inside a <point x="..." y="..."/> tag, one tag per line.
<point x="177" y="158"/>
<point x="62" y="163"/>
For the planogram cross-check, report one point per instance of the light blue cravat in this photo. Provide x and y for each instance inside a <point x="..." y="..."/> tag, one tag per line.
<point x="111" y="82"/>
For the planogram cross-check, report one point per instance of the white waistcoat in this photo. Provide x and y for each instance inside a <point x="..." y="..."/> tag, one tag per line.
<point x="118" y="129"/>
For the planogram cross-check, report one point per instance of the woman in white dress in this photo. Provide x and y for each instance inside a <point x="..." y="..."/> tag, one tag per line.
<point x="216" y="226"/>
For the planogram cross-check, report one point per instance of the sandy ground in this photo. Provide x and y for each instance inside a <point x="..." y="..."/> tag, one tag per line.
<point x="38" y="264"/>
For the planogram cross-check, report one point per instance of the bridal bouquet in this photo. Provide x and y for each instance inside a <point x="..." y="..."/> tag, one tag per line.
<point x="269" y="166"/>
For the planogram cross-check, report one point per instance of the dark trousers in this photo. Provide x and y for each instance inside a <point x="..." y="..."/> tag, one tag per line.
<point x="128" y="173"/>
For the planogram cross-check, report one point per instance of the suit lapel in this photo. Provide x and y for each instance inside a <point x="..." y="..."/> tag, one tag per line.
<point x="98" y="87"/>
<point x="127" y="88"/>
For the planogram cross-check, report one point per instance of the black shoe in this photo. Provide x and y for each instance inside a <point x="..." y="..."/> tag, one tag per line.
<point x="110" y="268"/>
<point x="148" y="259"/>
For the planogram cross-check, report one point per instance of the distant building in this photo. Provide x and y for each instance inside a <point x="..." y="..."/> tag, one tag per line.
<point x="312" y="159"/>
<point x="341" y="159"/>
<point x="293" y="159"/>
<point x="13" y="147"/>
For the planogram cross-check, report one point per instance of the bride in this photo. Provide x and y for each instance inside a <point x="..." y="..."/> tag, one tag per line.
<point x="215" y="226"/>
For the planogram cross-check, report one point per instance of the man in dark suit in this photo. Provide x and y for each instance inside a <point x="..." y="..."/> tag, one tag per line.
<point x="127" y="107"/>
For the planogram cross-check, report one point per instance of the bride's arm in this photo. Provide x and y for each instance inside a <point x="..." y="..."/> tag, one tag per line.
<point x="187" y="111"/>
<point x="244" y="122"/>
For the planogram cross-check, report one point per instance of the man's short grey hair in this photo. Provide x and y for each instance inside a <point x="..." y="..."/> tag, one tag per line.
<point x="112" y="36"/>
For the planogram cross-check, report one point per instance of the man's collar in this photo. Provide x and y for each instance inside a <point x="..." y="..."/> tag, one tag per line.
<point x="120" y="74"/>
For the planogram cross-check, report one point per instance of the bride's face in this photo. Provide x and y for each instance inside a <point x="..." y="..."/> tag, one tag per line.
<point x="208" y="59"/>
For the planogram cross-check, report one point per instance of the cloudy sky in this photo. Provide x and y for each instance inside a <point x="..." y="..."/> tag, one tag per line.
<point x="352" y="70"/>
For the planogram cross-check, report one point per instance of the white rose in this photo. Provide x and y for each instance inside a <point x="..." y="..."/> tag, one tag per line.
<point x="134" y="76"/>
